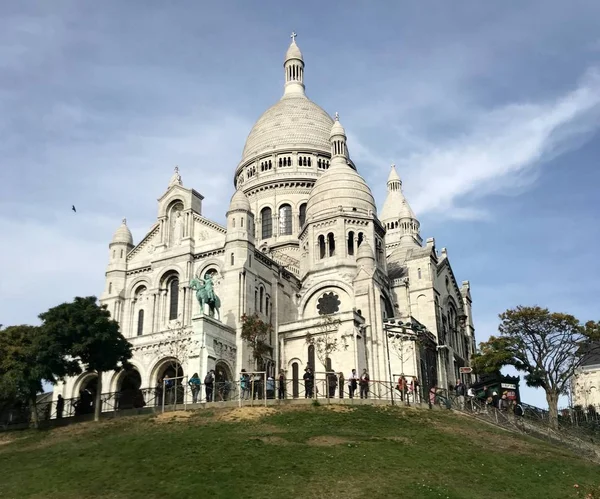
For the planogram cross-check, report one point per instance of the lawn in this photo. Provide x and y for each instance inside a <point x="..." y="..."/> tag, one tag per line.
<point x="297" y="451"/>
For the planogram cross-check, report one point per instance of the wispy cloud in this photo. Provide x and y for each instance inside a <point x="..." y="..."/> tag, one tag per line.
<point x="498" y="151"/>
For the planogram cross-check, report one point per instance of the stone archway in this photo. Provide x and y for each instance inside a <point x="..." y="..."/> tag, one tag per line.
<point x="129" y="394"/>
<point x="175" y="388"/>
<point x="86" y="397"/>
<point x="224" y="382"/>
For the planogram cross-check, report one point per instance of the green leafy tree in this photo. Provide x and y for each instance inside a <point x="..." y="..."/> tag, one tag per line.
<point x="257" y="334"/>
<point x="546" y="346"/>
<point x="28" y="357"/>
<point x="90" y="336"/>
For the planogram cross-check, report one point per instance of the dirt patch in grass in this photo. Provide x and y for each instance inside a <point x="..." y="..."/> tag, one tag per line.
<point x="6" y="439"/>
<point x="328" y="441"/>
<point x="338" y="408"/>
<point x="168" y="417"/>
<point x="395" y="438"/>
<point x="246" y="413"/>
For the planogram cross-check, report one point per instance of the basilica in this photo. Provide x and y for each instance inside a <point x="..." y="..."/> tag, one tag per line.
<point x="303" y="242"/>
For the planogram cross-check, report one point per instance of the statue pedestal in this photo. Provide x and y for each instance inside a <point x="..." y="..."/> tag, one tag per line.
<point x="217" y="344"/>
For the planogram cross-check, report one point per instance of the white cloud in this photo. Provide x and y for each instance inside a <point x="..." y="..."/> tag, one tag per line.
<point x="501" y="149"/>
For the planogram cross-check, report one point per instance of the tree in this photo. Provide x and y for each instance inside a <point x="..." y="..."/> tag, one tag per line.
<point x="28" y="357"/>
<point x="257" y="334"/>
<point x="325" y="339"/>
<point x="546" y="346"/>
<point x="92" y="339"/>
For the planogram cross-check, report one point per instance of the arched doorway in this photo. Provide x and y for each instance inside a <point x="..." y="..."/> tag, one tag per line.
<point x="295" y="380"/>
<point x="129" y="395"/>
<point x="86" y="400"/>
<point x="223" y="381"/>
<point x="175" y="389"/>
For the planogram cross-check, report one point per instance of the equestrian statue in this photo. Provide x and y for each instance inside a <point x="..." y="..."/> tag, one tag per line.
<point x="205" y="294"/>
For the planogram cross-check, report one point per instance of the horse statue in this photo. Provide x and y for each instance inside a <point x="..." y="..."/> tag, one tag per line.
<point x="205" y="294"/>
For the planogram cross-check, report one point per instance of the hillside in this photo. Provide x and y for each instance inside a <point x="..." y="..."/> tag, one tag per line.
<point x="296" y="451"/>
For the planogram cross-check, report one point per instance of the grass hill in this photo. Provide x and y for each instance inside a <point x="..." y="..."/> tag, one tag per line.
<point x="288" y="452"/>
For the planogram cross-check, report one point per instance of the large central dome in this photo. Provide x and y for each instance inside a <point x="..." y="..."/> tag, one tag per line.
<point x="295" y="122"/>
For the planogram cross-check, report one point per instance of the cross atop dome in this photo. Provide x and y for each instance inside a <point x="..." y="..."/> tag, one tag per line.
<point x="294" y="69"/>
<point x="337" y="116"/>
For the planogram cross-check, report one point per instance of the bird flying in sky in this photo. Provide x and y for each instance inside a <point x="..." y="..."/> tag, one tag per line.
<point x="73" y="208"/>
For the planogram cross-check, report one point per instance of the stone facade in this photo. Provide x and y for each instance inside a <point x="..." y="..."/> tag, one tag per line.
<point x="586" y="382"/>
<point x="302" y="241"/>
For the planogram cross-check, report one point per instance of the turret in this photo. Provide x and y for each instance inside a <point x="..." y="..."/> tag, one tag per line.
<point x="116" y="272"/>
<point x="401" y="224"/>
<point x="294" y="69"/>
<point x="240" y="220"/>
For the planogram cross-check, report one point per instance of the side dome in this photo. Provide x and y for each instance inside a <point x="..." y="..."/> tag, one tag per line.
<point x="295" y="122"/>
<point x="123" y="234"/>
<point x="239" y="201"/>
<point x="340" y="186"/>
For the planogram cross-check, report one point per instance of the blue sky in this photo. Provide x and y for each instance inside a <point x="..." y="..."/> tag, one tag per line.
<point x="489" y="110"/>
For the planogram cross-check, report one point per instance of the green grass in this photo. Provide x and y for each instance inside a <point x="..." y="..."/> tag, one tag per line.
<point x="300" y="451"/>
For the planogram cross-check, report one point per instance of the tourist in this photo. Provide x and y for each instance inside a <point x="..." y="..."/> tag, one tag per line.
<point x="168" y="386"/>
<point x="460" y="390"/>
<point x="309" y="383"/>
<point x="495" y="400"/>
<point x="256" y="386"/>
<point x="331" y="384"/>
<point x="281" y="389"/>
<point x="402" y="386"/>
<point x="352" y="382"/>
<point x="194" y="383"/>
<point x="415" y="386"/>
<point x="245" y="385"/>
<point x="60" y="406"/>
<point x="341" y="383"/>
<point x="209" y="384"/>
<point x="364" y="384"/>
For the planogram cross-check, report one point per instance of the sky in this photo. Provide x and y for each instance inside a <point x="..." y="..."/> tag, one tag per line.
<point x="490" y="110"/>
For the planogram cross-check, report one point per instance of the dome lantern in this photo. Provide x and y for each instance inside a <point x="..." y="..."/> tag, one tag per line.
<point x="294" y="69"/>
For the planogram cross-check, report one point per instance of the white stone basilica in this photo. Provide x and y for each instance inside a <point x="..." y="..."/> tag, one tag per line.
<point x="303" y="239"/>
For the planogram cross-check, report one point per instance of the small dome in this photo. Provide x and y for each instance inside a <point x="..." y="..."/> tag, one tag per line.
<point x="123" y="234"/>
<point x="365" y="252"/>
<point x="239" y="201"/>
<point x="337" y="128"/>
<point x="293" y="51"/>
<point x="340" y="186"/>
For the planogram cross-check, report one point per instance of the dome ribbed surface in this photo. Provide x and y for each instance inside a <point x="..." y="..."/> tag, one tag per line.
<point x="293" y="52"/>
<point x="340" y="186"/>
<point x="123" y="235"/>
<point x="295" y="122"/>
<point x="239" y="201"/>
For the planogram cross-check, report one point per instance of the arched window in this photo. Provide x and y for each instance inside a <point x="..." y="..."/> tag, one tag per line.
<point x="285" y="219"/>
<point x="321" y="247"/>
<point x="331" y="243"/>
<point x="419" y="273"/>
<point x="279" y="162"/>
<point x="121" y="253"/>
<point x="109" y="287"/>
<point x="267" y="305"/>
<point x="174" y="298"/>
<point x="232" y="258"/>
<point x="360" y="239"/>
<point x="266" y="220"/>
<point x="233" y="222"/>
<point x="261" y="298"/>
<point x="311" y="357"/>
<point x="302" y="215"/>
<point x="351" y="243"/>
<point x="256" y="299"/>
<point x="328" y="364"/>
<point x="140" y="324"/>
<point x="242" y="222"/>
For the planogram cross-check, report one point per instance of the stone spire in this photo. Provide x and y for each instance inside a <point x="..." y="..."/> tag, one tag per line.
<point x="294" y="70"/>
<point x="175" y="178"/>
<point x="397" y="216"/>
